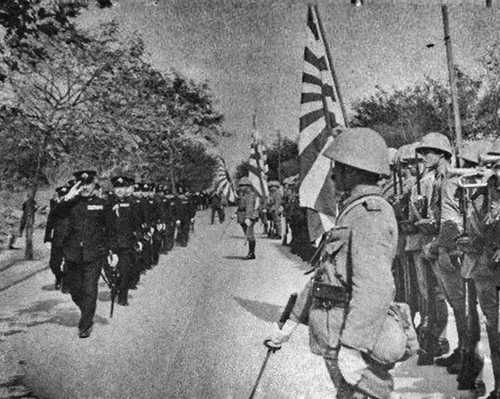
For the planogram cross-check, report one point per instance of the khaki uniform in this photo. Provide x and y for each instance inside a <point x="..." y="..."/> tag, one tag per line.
<point x="359" y="254"/>
<point x="248" y="209"/>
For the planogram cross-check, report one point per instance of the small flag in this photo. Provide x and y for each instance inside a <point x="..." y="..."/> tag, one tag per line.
<point x="222" y="181"/>
<point x="257" y="170"/>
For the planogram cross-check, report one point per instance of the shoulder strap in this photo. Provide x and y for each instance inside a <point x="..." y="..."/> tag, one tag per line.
<point x="355" y="203"/>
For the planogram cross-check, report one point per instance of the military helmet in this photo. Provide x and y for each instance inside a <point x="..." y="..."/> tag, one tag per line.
<point x="470" y="152"/>
<point x="392" y="152"/>
<point x="360" y="148"/>
<point x="244" y="181"/>
<point x="495" y="148"/>
<point x="435" y="141"/>
<point x="406" y="153"/>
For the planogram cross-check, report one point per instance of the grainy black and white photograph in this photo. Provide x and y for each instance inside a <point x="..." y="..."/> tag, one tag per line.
<point x="249" y="199"/>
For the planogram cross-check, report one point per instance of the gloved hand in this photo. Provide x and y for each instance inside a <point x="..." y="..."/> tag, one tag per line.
<point x="248" y="222"/>
<point x="192" y="220"/>
<point x="277" y="337"/>
<point x="112" y="259"/>
<point x="73" y="191"/>
<point x="177" y="222"/>
<point x="48" y="244"/>
<point x="138" y="246"/>
<point x="351" y="364"/>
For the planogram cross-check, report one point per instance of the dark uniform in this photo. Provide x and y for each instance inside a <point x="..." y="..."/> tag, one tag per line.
<point x="55" y="232"/>
<point x="125" y="224"/>
<point x="184" y="214"/>
<point x="86" y="245"/>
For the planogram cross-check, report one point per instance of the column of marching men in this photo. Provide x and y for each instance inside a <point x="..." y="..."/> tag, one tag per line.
<point x="120" y="234"/>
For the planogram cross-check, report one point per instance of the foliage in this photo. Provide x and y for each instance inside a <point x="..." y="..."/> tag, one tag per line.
<point x="405" y="115"/>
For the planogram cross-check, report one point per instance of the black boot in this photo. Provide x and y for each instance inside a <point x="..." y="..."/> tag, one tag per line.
<point x="251" y="250"/>
<point x="472" y="365"/>
<point x="12" y="240"/>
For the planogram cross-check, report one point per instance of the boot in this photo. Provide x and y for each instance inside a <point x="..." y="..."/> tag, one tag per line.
<point x="471" y="368"/>
<point x="448" y="360"/>
<point x="12" y="240"/>
<point x="251" y="250"/>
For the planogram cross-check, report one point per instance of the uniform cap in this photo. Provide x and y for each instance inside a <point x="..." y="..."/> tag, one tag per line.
<point x="85" y="176"/>
<point x="361" y="148"/>
<point x="120" y="181"/>
<point x="244" y="181"/>
<point x="435" y="141"/>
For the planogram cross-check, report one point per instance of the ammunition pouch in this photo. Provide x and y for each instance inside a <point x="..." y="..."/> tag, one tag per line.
<point x="328" y="296"/>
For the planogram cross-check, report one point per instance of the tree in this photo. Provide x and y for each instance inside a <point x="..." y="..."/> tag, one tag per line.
<point x="405" y="115"/>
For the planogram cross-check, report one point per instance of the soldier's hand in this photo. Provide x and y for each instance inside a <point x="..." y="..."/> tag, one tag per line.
<point x="177" y="222"/>
<point x="248" y="222"/>
<point x="278" y="336"/>
<point x="48" y="244"/>
<point x="73" y="191"/>
<point x="445" y="260"/>
<point x="112" y="259"/>
<point x="351" y="364"/>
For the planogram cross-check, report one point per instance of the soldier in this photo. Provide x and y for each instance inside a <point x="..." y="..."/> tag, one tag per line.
<point x="184" y="215"/>
<point x="125" y="225"/>
<point x="55" y="231"/>
<point x="217" y="208"/>
<point x="86" y="244"/>
<point x="354" y="274"/>
<point x="275" y="208"/>
<point x="247" y="213"/>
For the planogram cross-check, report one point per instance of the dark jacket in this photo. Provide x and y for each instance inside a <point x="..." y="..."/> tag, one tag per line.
<point x="56" y="228"/>
<point x="87" y="237"/>
<point x="125" y="224"/>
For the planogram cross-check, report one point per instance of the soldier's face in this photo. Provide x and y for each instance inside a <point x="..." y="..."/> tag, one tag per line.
<point x="120" y="192"/>
<point x="431" y="158"/>
<point x="87" y="189"/>
<point x="341" y="177"/>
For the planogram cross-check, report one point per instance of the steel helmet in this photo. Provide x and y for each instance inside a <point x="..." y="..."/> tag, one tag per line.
<point x="470" y="151"/>
<point x="495" y="148"/>
<point x="360" y="148"/>
<point x="435" y="141"/>
<point x="392" y="155"/>
<point x="406" y="152"/>
<point x="244" y="181"/>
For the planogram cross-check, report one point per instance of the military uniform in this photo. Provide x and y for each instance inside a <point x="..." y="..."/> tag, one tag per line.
<point x="248" y="214"/>
<point x="55" y="232"/>
<point x="274" y="207"/>
<point x="365" y="240"/>
<point x="86" y="245"/>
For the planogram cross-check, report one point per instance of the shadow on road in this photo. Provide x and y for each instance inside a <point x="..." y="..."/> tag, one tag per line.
<point x="298" y="262"/>
<point x="235" y="257"/>
<point x="262" y="310"/>
<point x="43" y="312"/>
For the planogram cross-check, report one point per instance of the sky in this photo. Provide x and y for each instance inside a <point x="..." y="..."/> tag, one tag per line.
<point x="250" y="51"/>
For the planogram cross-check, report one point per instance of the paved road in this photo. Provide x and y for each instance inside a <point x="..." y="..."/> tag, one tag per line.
<point x="194" y="330"/>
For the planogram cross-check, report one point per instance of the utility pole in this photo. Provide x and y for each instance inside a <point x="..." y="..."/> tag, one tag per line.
<point x="453" y="82"/>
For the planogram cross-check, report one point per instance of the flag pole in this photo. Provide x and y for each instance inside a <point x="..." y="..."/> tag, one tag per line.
<point x="329" y="58"/>
<point x="453" y="81"/>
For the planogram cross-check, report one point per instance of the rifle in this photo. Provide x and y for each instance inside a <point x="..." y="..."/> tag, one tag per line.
<point x="283" y="318"/>
<point x="421" y="200"/>
<point x="472" y="363"/>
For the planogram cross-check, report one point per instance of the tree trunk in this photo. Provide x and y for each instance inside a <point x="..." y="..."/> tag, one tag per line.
<point x="29" y="215"/>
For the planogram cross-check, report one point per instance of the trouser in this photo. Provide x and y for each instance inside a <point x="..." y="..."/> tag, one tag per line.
<point x="55" y="262"/>
<point x="431" y="294"/>
<point x="453" y="284"/>
<point x="82" y="279"/>
<point x="125" y="269"/>
<point x="183" y="234"/>
<point x="276" y="218"/>
<point x="220" y="214"/>
<point x="487" y="281"/>
<point x="376" y="382"/>
<point x="169" y="235"/>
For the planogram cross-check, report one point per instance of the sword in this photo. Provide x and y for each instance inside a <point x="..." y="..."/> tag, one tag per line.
<point x="283" y="318"/>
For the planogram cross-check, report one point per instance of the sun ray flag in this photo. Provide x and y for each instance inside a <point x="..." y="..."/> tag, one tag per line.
<point x="257" y="165"/>
<point x="222" y="184"/>
<point x="320" y="115"/>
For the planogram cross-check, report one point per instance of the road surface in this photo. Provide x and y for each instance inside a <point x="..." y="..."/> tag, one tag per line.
<point x="194" y="329"/>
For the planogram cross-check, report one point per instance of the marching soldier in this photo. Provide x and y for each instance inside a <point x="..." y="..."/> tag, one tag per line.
<point x="86" y="244"/>
<point x="275" y="208"/>
<point x="217" y="208"/>
<point x="125" y="225"/>
<point x="355" y="274"/>
<point x="184" y="214"/>
<point x="247" y="213"/>
<point x="55" y="232"/>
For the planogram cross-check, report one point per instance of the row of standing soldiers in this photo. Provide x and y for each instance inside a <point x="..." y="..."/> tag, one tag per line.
<point x="449" y="250"/>
<point x="123" y="233"/>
